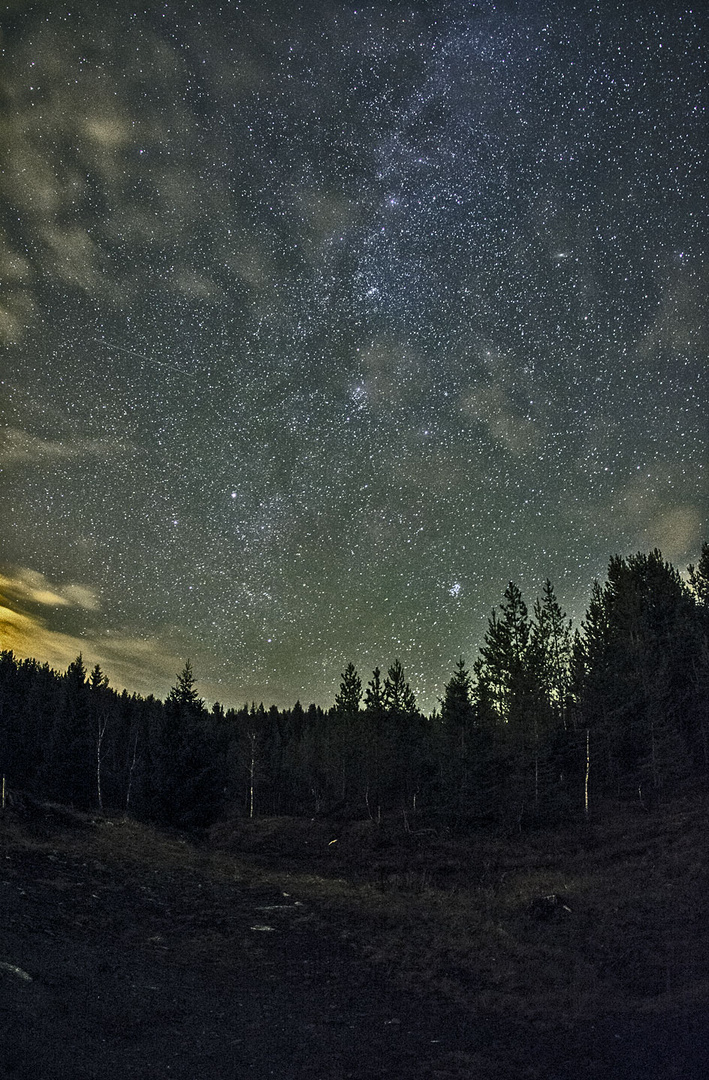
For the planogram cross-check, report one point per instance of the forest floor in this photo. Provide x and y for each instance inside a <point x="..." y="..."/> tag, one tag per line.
<point x="266" y="950"/>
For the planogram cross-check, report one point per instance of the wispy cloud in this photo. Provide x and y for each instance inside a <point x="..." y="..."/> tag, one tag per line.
<point x="661" y="517"/>
<point x="19" y="448"/>
<point x="29" y="606"/>
<point x="29" y="636"/>
<point x="29" y="586"/>
<point x="493" y="407"/>
<point x="680" y="325"/>
<point x="676" y="530"/>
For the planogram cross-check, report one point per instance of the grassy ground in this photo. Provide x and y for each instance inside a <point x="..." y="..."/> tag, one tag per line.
<point x="589" y="944"/>
<point x="626" y="931"/>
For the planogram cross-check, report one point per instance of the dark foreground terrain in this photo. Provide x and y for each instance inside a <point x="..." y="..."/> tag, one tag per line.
<point x="130" y="954"/>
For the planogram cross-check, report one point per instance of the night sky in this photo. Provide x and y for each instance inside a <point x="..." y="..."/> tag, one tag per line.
<point x="321" y="322"/>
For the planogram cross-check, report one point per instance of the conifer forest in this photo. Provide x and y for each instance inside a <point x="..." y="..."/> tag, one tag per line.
<point x="549" y="723"/>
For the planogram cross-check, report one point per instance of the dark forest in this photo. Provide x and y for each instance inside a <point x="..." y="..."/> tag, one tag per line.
<point x="548" y="724"/>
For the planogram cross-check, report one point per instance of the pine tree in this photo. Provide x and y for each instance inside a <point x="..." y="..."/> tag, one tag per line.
<point x="457" y="710"/>
<point x="699" y="580"/>
<point x="100" y="708"/>
<point x="76" y="677"/>
<point x="97" y="680"/>
<point x="184" y="694"/>
<point x="507" y="696"/>
<point x="406" y="736"/>
<point x="398" y="698"/>
<point x="633" y="675"/>
<point x="550" y="652"/>
<point x="348" y="742"/>
<point x="457" y="728"/>
<point x="184" y="769"/>
<point x="377" y="744"/>
<point x="501" y="667"/>
<point x="349" y="697"/>
<point x="550" y="741"/>
<point x="69" y="770"/>
<point x="374" y="695"/>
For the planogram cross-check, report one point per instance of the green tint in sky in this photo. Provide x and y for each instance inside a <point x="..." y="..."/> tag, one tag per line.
<point x="320" y="323"/>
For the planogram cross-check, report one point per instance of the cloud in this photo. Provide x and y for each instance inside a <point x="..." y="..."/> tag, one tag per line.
<point x="681" y="323"/>
<point x="13" y="265"/>
<point x="139" y="665"/>
<point x="392" y="374"/>
<point x="324" y="215"/>
<point x="107" y="129"/>
<point x="15" y="311"/>
<point x="492" y="406"/>
<point x="143" y="665"/>
<point x="662" y="518"/>
<point x="82" y="597"/>
<point x="72" y="256"/>
<point x="29" y="586"/>
<point x="19" y="448"/>
<point x="676" y="531"/>
<point x="196" y="286"/>
<point x="28" y="636"/>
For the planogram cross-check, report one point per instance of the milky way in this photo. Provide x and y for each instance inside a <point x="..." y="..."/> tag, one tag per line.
<point x="320" y="323"/>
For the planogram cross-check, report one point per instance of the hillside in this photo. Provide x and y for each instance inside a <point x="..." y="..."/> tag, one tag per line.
<point x="265" y="949"/>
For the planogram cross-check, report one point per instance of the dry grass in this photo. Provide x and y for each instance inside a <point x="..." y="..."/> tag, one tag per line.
<point x="634" y="938"/>
<point x="461" y="917"/>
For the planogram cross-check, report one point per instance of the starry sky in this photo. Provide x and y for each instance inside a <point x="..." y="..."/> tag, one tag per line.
<point x="320" y="322"/>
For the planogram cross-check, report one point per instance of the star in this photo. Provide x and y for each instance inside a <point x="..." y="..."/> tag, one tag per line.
<point x="326" y="338"/>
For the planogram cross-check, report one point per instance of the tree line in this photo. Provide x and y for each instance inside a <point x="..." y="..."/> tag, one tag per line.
<point x="549" y="723"/>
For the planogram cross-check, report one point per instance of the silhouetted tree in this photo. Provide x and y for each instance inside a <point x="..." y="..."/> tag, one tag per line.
<point x="183" y="765"/>
<point x="633" y="674"/>
<point x="69" y="768"/>
<point x="500" y="671"/>
<point x="699" y="580"/>
<point x="349" y="696"/>
<point x="348" y="746"/>
<point x="457" y="726"/>
<point x="550" y="749"/>
<point x="547" y="720"/>
<point x="374" y="717"/>
<point x="184" y="693"/>
<point x="550" y="648"/>
<point x="398" y="697"/>
<point x="407" y="743"/>
<point x="100" y="707"/>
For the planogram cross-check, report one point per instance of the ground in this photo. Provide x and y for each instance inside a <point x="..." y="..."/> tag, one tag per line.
<point x="134" y="954"/>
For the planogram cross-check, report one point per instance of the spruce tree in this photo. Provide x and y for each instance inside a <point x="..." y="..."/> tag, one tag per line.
<point x="69" y="770"/>
<point x="377" y="744"/>
<point x="406" y="736"/>
<point x="398" y="697"/>
<point x="457" y="729"/>
<point x="100" y="706"/>
<point x="349" y="697"/>
<point x="507" y="696"/>
<point x="550" y="652"/>
<point x="457" y="710"/>
<point x="548" y="729"/>
<point x="184" y="693"/>
<point x="501" y="667"/>
<point x="699" y="580"/>
<point x="349" y="742"/>
<point x="634" y="673"/>
<point x="184" y="771"/>
<point x="374" y="695"/>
